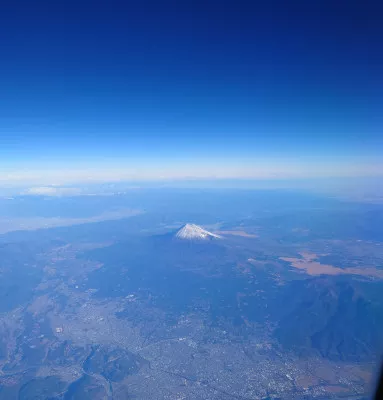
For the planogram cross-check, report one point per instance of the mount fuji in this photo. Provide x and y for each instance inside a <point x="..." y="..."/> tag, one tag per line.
<point x="195" y="232"/>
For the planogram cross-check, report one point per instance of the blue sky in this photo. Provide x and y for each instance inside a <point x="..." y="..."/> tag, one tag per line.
<point x="190" y="89"/>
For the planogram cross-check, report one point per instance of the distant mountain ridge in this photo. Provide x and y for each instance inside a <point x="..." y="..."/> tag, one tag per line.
<point x="195" y="232"/>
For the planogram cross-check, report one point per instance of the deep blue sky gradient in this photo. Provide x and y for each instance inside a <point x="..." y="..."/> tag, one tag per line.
<point x="87" y="81"/>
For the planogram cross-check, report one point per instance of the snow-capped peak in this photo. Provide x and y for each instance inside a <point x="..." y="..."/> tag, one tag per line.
<point x="195" y="232"/>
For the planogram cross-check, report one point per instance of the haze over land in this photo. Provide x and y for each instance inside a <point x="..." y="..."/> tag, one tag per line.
<point x="207" y="293"/>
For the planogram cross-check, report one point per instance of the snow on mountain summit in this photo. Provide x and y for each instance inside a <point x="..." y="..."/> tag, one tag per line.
<point x="195" y="232"/>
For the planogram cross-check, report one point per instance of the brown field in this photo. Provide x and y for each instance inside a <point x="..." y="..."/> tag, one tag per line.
<point x="308" y="264"/>
<point x="306" y="381"/>
<point x="237" y="233"/>
<point x="336" y="389"/>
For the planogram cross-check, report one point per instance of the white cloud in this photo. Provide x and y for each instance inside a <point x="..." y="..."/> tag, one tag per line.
<point x="52" y="191"/>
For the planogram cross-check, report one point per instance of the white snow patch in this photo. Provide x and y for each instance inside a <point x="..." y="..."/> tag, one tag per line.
<point x="195" y="232"/>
